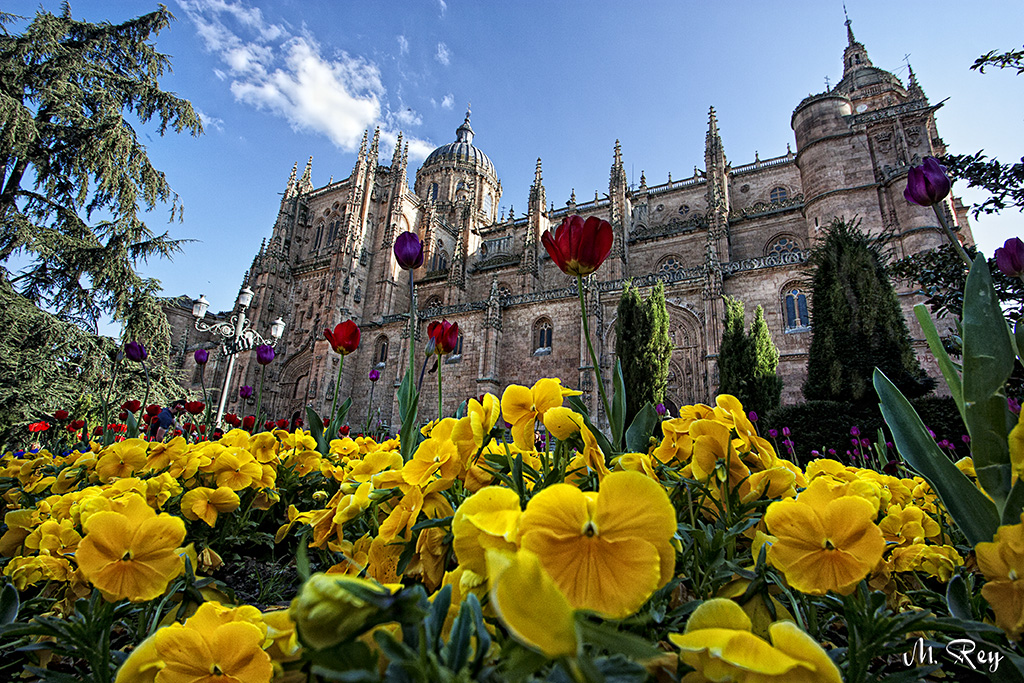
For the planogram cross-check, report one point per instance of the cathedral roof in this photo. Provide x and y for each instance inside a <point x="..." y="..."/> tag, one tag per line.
<point x="461" y="150"/>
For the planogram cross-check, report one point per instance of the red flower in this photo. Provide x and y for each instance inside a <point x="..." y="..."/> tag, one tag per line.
<point x="248" y="422"/>
<point x="38" y="427"/>
<point x="98" y="431"/>
<point x="282" y="423"/>
<point x="132" y="406"/>
<point x="61" y="415"/>
<point x="202" y="429"/>
<point x="189" y="427"/>
<point x="122" y="415"/>
<point x="233" y="420"/>
<point x="195" y="407"/>
<point x="298" y="422"/>
<point x="444" y="336"/>
<point x="153" y="409"/>
<point x="343" y="430"/>
<point x="579" y="247"/>
<point x="268" y="425"/>
<point x="345" y="338"/>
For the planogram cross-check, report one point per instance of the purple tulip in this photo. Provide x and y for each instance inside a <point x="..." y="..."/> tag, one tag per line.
<point x="1010" y="257"/>
<point x="660" y="409"/>
<point x="785" y="431"/>
<point x="854" y="431"/>
<point x="752" y="416"/>
<point x="927" y="184"/>
<point x="202" y="356"/>
<point x="409" y="251"/>
<point x="264" y="354"/>
<point x="374" y="375"/>
<point x="773" y="433"/>
<point x="135" y="351"/>
<point x="245" y="391"/>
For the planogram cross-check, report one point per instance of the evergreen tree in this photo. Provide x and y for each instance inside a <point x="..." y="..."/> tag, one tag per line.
<point x="735" y="354"/>
<point x="643" y="347"/>
<point x="856" y="322"/>
<point x="69" y="156"/>
<point x="766" y="387"/>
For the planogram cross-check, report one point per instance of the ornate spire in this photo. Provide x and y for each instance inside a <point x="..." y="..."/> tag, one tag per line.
<point x="856" y="55"/>
<point x="306" y="182"/>
<point x="464" y="133"/>
<point x="292" y="188"/>
<point x="537" y="177"/>
<point x="374" y="148"/>
<point x="714" y="152"/>
<point x="396" y="157"/>
<point x="914" y="88"/>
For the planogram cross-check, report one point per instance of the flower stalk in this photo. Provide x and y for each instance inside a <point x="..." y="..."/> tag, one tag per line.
<point x="590" y="347"/>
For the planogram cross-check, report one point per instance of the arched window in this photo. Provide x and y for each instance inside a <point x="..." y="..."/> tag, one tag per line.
<point x="778" y="194"/>
<point x="332" y="232"/>
<point x="319" y="236"/>
<point x="542" y="332"/>
<point x="670" y="264"/>
<point x="487" y="204"/>
<point x="782" y="245"/>
<point x="380" y="353"/>
<point x="794" y="310"/>
<point x="432" y="192"/>
<point x="440" y="259"/>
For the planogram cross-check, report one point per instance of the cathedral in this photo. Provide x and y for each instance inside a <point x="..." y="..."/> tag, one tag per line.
<point x="738" y="230"/>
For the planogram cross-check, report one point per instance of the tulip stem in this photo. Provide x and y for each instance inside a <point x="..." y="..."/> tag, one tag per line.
<point x="590" y="347"/>
<point x="940" y="214"/>
<point x="440" y="413"/>
<point x="369" y="408"/>
<point x="259" y="399"/>
<point x="337" y="390"/>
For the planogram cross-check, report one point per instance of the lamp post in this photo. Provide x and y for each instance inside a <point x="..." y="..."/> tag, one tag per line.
<point x="238" y="336"/>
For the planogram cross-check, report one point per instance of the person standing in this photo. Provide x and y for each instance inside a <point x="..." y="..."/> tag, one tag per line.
<point x="167" y="419"/>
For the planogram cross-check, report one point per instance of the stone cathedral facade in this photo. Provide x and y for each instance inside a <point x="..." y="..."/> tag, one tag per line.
<point x="740" y="230"/>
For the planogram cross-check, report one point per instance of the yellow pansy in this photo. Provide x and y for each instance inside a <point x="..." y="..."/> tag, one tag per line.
<point x="205" y="503"/>
<point x="824" y="542"/>
<point x="562" y="422"/>
<point x="237" y="469"/>
<point x="122" y="459"/>
<point x="603" y="551"/>
<point x="521" y="406"/>
<point x="907" y="526"/>
<point x="131" y="554"/>
<point x="205" y="648"/>
<point x="470" y="431"/>
<point x="545" y="621"/>
<point x="1002" y="563"/>
<point x="936" y="560"/>
<point x="487" y="520"/>
<point x="718" y="643"/>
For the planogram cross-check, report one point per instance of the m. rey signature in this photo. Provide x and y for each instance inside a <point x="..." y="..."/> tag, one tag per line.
<point x="963" y="651"/>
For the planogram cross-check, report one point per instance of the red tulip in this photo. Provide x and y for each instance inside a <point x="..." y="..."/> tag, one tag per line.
<point x="153" y="409"/>
<point x="38" y="427"/>
<point x="579" y="247"/>
<point x="248" y="422"/>
<point x="268" y="425"/>
<point x="195" y="407"/>
<point x="61" y="415"/>
<point x="343" y="430"/>
<point x="282" y="423"/>
<point x="132" y="406"/>
<point x="345" y="338"/>
<point x="444" y="336"/>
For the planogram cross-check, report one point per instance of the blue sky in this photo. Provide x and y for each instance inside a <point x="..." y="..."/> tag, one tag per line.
<point x="278" y="82"/>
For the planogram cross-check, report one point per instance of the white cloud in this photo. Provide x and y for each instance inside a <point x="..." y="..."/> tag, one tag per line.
<point x="210" y="121"/>
<point x="444" y="55"/>
<point x="444" y="6"/>
<point x="403" y="45"/>
<point x="449" y="101"/>
<point x="406" y="118"/>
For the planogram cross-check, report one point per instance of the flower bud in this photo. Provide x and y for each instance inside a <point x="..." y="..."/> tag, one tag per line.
<point x="409" y="251"/>
<point x="330" y="610"/>
<point x="202" y="356"/>
<point x="264" y="354"/>
<point x="927" y="184"/>
<point x="135" y="351"/>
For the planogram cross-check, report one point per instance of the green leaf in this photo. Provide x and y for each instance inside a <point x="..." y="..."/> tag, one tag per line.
<point x="316" y="429"/>
<point x="976" y="515"/>
<point x="456" y="652"/>
<point x="988" y="362"/>
<point x="133" y="426"/>
<point x="949" y="370"/>
<point x="1018" y="337"/>
<point x="302" y="557"/>
<point x="338" y="421"/>
<point x="618" y="407"/>
<point x="958" y="599"/>
<point x="639" y="433"/>
<point x="576" y="404"/>
<point x="408" y="402"/>
<point x="9" y="604"/>
<point x="607" y="637"/>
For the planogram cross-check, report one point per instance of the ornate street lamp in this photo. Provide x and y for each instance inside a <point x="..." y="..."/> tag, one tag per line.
<point x="238" y="336"/>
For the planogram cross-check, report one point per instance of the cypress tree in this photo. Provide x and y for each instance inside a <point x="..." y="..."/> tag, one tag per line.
<point x="643" y="347"/>
<point x="735" y="354"/>
<point x="856" y="322"/>
<point x="766" y="389"/>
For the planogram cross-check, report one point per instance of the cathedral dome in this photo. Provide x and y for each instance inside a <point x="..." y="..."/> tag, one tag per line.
<point x="462" y="150"/>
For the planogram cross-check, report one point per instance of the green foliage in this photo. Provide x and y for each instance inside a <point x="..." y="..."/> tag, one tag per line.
<point x="643" y="347"/>
<point x="823" y="425"/>
<point x="747" y="362"/>
<point x="856" y="322"/>
<point x="68" y="156"/>
<point x="47" y="364"/>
